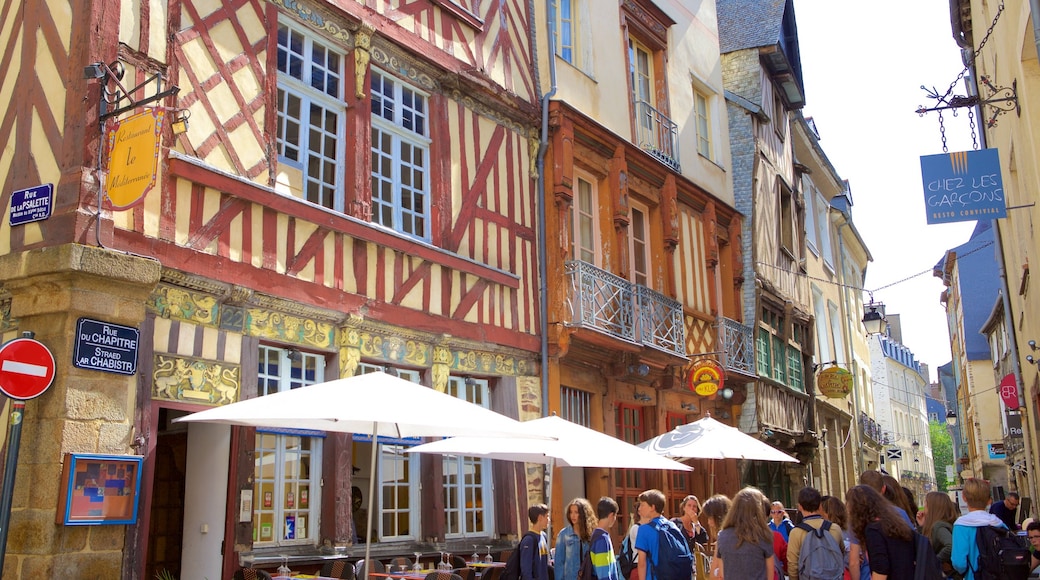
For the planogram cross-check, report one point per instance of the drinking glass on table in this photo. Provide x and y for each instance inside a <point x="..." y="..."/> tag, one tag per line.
<point x="488" y="559"/>
<point x="417" y="567"/>
<point x="475" y="558"/>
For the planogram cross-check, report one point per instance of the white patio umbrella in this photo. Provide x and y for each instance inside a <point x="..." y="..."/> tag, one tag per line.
<point x="375" y="404"/>
<point x="568" y="445"/>
<point x="571" y="445"/>
<point x="709" y="439"/>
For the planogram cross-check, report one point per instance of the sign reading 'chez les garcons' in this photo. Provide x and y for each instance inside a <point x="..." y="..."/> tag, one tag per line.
<point x="963" y="186"/>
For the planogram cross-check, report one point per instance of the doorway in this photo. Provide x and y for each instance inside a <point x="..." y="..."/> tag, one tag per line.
<point x="166" y="517"/>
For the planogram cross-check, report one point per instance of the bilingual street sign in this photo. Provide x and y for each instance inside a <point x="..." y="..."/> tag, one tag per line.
<point x="963" y="186"/>
<point x="32" y="204"/>
<point x="106" y="347"/>
<point x="133" y="158"/>
<point x="26" y="368"/>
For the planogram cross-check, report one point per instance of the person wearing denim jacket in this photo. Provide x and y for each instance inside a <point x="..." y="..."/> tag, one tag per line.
<point x="572" y="543"/>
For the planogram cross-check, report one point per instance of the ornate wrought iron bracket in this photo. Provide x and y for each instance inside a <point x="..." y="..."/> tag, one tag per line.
<point x="112" y="97"/>
<point x="1000" y="99"/>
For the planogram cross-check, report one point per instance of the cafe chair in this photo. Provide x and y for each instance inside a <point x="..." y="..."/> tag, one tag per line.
<point x="251" y="574"/>
<point x="504" y="556"/>
<point x="466" y="573"/>
<point x="399" y="561"/>
<point x="443" y="575"/>
<point x="377" y="568"/>
<point x="493" y="573"/>
<point x="458" y="561"/>
<point x="338" y="569"/>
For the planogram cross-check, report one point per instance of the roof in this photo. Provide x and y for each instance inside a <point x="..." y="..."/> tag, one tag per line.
<point x="979" y="283"/>
<point x="749" y="23"/>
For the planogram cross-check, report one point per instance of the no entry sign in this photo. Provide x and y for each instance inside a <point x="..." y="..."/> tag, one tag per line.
<point x="26" y="368"/>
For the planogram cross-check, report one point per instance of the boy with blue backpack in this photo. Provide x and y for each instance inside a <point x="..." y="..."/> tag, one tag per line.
<point x="983" y="547"/>
<point x="663" y="553"/>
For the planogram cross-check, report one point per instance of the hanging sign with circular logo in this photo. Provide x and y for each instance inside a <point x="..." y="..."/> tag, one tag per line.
<point x="834" y="383"/>
<point x="705" y="377"/>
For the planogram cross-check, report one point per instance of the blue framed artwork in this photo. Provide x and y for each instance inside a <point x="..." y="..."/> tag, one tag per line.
<point x="100" y="489"/>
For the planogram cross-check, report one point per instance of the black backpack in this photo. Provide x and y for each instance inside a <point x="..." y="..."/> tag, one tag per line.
<point x="926" y="563"/>
<point x="512" y="569"/>
<point x="626" y="559"/>
<point x="1002" y="555"/>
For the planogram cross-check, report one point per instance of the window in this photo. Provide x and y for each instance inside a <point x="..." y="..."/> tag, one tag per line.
<point x="810" y="215"/>
<point x="779" y="115"/>
<point x="641" y="68"/>
<point x="400" y="157"/>
<point x="566" y="30"/>
<point x="779" y="357"/>
<point x="701" y="106"/>
<point x="468" y="504"/>
<point x="788" y="211"/>
<point x="629" y="483"/>
<point x="287" y="468"/>
<point x="310" y="123"/>
<point x="397" y="476"/>
<point x="639" y="244"/>
<point x="823" y="219"/>
<point x="823" y="342"/>
<point x="583" y="220"/>
<point x="576" y="406"/>
<point x="836" y="332"/>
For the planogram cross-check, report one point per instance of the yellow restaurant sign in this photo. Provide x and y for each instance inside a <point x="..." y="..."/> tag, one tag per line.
<point x="133" y="158"/>
<point x="706" y="377"/>
<point x="834" y="383"/>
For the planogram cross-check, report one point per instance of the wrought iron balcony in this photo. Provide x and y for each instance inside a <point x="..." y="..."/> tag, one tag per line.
<point x="737" y="341"/>
<point x="657" y="134"/>
<point x="872" y="431"/>
<point x="610" y="304"/>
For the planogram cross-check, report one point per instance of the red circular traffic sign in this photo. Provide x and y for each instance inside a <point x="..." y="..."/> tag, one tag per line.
<point x="26" y="368"/>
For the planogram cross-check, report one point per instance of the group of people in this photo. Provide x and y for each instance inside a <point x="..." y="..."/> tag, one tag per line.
<point x="872" y="535"/>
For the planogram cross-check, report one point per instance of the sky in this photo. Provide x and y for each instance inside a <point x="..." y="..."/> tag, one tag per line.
<point x="863" y="64"/>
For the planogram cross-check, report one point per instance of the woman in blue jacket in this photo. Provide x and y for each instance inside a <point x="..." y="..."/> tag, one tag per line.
<point x="574" y="539"/>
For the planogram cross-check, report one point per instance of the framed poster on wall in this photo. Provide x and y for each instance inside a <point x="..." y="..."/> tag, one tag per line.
<point x="99" y="489"/>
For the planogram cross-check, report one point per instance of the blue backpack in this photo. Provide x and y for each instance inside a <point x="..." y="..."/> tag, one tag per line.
<point x="673" y="560"/>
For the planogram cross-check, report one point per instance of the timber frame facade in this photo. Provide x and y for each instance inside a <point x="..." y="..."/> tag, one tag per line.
<point x="354" y="191"/>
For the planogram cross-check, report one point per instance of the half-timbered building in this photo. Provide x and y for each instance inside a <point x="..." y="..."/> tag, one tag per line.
<point x="338" y="187"/>
<point x="644" y="245"/>
<point x="761" y="70"/>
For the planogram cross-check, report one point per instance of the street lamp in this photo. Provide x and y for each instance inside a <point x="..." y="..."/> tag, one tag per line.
<point x="873" y="321"/>
<point x="951" y="418"/>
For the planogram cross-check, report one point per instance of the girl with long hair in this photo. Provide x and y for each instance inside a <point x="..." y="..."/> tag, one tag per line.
<point x="834" y="511"/>
<point x="744" y="548"/>
<point x="939" y="515"/>
<point x="574" y="539"/>
<point x="695" y="533"/>
<point x="888" y="538"/>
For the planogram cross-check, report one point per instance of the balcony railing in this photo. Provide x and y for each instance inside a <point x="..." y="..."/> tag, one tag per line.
<point x="610" y="304"/>
<point x="657" y="134"/>
<point x="737" y="342"/>
<point x="872" y="430"/>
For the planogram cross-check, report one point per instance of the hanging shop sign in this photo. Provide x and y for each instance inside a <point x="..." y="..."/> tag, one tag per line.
<point x="834" y="383"/>
<point x="133" y="158"/>
<point x="706" y="377"/>
<point x="963" y="186"/>
<point x="1008" y="390"/>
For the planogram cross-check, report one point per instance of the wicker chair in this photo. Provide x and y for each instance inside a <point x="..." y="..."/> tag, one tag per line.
<point x="251" y="574"/>
<point x="399" y="561"/>
<point x="377" y="568"/>
<point x="493" y="573"/>
<point x="338" y="569"/>
<point x="443" y="575"/>
<point x="466" y="573"/>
